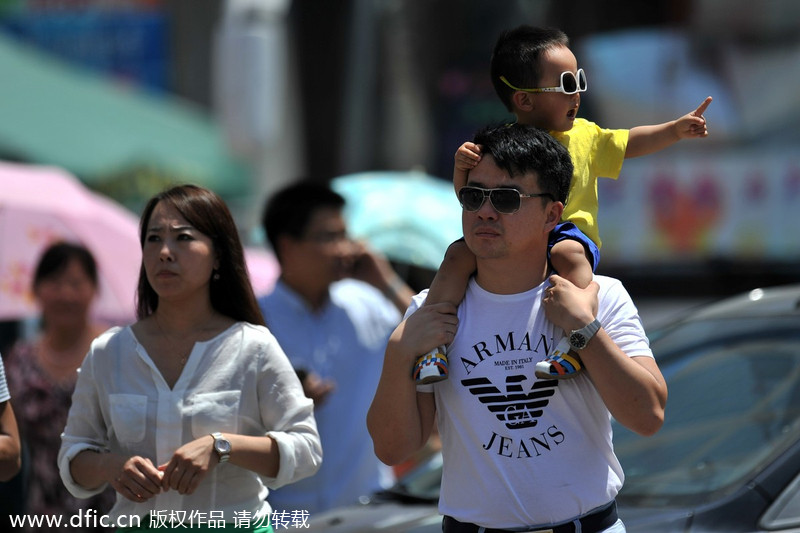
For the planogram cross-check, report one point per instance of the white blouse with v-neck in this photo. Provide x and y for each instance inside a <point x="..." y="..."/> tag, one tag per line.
<point x="237" y="382"/>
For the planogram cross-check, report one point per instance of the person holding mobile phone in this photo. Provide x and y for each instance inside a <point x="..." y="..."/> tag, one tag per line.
<point x="332" y="311"/>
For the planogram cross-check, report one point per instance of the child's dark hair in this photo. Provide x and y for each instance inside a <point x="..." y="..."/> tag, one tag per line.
<point x="517" y="56"/>
<point x="519" y="149"/>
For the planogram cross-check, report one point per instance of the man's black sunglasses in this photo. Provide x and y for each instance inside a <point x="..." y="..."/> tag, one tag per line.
<point x="504" y="199"/>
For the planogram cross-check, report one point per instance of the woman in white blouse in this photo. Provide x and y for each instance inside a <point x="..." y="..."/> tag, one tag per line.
<point x="194" y="410"/>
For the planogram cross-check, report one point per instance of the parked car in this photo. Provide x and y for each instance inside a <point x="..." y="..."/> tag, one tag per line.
<point x="728" y="456"/>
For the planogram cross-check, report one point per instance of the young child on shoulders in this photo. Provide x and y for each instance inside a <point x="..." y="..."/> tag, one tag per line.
<point x="537" y="78"/>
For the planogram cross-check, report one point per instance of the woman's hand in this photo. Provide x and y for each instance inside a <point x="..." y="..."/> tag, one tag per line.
<point x="138" y="479"/>
<point x="189" y="465"/>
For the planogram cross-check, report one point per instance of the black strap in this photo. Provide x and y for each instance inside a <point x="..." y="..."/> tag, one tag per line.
<point x="591" y="523"/>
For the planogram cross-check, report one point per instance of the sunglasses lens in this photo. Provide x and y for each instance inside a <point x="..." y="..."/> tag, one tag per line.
<point x="572" y="84"/>
<point x="569" y="83"/>
<point x="506" y="201"/>
<point x="470" y="198"/>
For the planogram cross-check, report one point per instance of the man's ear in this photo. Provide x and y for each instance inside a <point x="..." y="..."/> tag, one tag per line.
<point x="522" y="101"/>
<point x="554" y="212"/>
<point x="284" y="245"/>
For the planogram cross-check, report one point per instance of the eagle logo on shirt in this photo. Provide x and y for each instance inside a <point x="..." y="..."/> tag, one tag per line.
<point x="516" y="408"/>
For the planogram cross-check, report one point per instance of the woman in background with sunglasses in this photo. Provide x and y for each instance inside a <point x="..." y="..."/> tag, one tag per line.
<point x="537" y="78"/>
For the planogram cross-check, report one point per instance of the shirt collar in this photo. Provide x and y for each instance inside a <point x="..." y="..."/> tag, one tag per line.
<point x="297" y="302"/>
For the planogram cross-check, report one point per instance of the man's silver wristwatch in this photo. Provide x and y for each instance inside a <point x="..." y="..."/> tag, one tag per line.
<point x="222" y="446"/>
<point x="579" y="338"/>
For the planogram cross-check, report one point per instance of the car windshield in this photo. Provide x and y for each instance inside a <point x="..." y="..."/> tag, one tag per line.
<point x="734" y="404"/>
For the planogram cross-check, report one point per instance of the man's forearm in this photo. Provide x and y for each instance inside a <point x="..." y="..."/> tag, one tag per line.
<point x="399" y="419"/>
<point x="632" y="388"/>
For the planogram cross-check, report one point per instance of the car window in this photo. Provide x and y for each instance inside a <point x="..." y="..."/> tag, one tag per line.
<point x="784" y="513"/>
<point x="734" y="403"/>
<point x="422" y="483"/>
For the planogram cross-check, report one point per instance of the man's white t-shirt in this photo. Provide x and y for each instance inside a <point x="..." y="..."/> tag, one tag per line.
<point x="520" y="451"/>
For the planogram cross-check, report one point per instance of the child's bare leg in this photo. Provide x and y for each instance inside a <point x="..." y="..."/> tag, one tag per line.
<point x="569" y="259"/>
<point x="450" y="282"/>
<point x="448" y="285"/>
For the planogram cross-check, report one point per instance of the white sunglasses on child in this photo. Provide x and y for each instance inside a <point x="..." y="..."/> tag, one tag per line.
<point x="570" y="84"/>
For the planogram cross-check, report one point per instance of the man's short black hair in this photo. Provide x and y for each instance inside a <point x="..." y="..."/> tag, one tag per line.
<point x="520" y="149"/>
<point x="289" y="211"/>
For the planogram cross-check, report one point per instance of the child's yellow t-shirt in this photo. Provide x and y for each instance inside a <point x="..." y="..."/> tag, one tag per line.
<point x="596" y="153"/>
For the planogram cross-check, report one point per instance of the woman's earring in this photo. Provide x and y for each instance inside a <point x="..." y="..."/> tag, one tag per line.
<point x="216" y="275"/>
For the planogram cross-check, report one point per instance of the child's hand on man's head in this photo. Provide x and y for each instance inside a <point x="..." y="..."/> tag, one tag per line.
<point x="467" y="156"/>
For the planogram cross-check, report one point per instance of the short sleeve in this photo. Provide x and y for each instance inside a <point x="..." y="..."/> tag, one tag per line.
<point x="5" y="395"/>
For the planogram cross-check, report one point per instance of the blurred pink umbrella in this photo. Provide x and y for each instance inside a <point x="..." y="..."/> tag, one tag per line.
<point x="263" y="268"/>
<point x="40" y="205"/>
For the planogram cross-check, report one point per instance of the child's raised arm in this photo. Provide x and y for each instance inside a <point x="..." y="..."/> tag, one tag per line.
<point x="467" y="156"/>
<point x="644" y="140"/>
